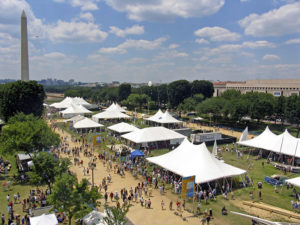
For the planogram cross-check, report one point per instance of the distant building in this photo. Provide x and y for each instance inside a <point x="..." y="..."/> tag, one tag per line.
<point x="282" y="87"/>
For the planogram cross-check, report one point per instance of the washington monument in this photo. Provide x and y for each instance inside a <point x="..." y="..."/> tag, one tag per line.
<point x="24" y="49"/>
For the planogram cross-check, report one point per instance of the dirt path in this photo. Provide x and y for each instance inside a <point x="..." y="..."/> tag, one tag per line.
<point x="137" y="214"/>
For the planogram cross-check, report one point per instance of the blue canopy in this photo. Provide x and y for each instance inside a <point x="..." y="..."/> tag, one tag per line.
<point x="136" y="153"/>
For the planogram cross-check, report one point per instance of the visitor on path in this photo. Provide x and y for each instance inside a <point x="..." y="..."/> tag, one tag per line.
<point x="208" y="220"/>
<point x="224" y="211"/>
<point x="162" y="204"/>
<point x="171" y="205"/>
<point x="203" y="220"/>
<point x="259" y="194"/>
<point x="149" y="203"/>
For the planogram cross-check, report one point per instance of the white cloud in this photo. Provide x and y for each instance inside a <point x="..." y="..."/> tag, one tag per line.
<point x="162" y="10"/>
<point x="217" y="34"/>
<point x="136" y="29"/>
<point x="293" y="41"/>
<point x="202" y="41"/>
<point x="173" y="46"/>
<point x="85" y="5"/>
<point x="136" y="44"/>
<point x="171" y="54"/>
<point x="87" y="16"/>
<point x="271" y="57"/>
<point x="277" y="22"/>
<point x="76" y="32"/>
<point x="247" y="54"/>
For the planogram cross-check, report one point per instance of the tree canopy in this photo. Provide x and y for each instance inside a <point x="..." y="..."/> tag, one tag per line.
<point x="124" y="91"/>
<point x="178" y="91"/>
<point x="203" y="87"/>
<point x="20" y="96"/>
<point x="27" y="133"/>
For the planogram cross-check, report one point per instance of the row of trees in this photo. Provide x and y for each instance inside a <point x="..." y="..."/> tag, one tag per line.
<point x="232" y="105"/>
<point x="174" y="93"/>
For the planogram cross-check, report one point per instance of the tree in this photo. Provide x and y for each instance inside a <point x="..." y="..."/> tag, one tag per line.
<point x="231" y="94"/>
<point x="162" y="94"/>
<point x="72" y="197"/>
<point x="202" y="87"/>
<point x="116" y="215"/>
<point x="190" y="104"/>
<point x="124" y="91"/>
<point x="212" y="106"/>
<point x="178" y="91"/>
<point x="136" y="100"/>
<point x="21" y="96"/>
<point x="293" y="111"/>
<point x="27" y="133"/>
<point x="280" y="108"/>
<point x="47" y="168"/>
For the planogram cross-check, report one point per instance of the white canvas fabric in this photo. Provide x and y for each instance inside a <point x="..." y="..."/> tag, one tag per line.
<point x="44" y="220"/>
<point x="153" y="134"/>
<point x="123" y="128"/>
<point x="156" y="116"/>
<point x="265" y="140"/>
<point x="110" y="115"/>
<point x="215" y="149"/>
<point x="68" y="101"/>
<point x="294" y="181"/>
<point x="167" y="118"/>
<point x="94" y="218"/>
<point x="115" y="107"/>
<point x="244" y="136"/>
<point x="195" y="160"/>
<point x="284" y="143"/>
<point x="87" y="123"/>
<point x="74" y="110"/>
<point x="75" y="119"/>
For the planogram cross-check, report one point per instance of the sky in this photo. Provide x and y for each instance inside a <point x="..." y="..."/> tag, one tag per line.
<point x="152" y="40"/>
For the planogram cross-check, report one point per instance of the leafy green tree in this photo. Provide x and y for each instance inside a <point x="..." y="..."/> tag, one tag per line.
<point x="47" y="168"/>
<point x="136" y="100"/>
<point x="72" y="197"/>
<point x="203" y="87"/>
<point x="231" y="94"/>
<point x="293" y="111"/>
<point x="178" y="91"/>
<point x="262" y="105"/>
<point x="84" y="92"/>
<point x="280" y="108"/>
<point x="190" y="104"/>
<point x="27" y="133"/>
<point x="21" y="96"/>
<point x="116" y="215"/>
<point x="124" y="91"/>
<point x="162" y="94"/>
<point x="212" y="106"/>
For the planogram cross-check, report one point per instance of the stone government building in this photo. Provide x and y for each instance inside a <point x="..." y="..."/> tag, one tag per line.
<point x="285" y="87"/>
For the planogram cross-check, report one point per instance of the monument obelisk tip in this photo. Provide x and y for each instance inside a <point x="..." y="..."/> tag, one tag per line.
<point x="23" y="14"/>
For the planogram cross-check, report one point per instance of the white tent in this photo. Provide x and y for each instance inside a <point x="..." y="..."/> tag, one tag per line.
<point x="284" y="143"/>
<point x="244" y="136"/>
<point x="108" y="115"/>
<point x="153" y="134"/>
<point x="122" y="128"/>
<point x="156" y="116"/>
<point x="69" y="101"/>
<point x="74" y="110"/>
<point x="294" y="181"/>
<point x="94" y="218"/>
<point x="189" y="160"/>
<point x="87" y="123"/>
<point x="115" y="107"/>
<point x="75" y="119"/>
<point x="265" y="140"/>
<point x="215" y="149"/>
<point x="44" y="219"/>
<point x="167" y="118"/>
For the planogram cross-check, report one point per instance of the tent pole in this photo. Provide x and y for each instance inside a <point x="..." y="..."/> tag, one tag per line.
<point x="211" y="190"/>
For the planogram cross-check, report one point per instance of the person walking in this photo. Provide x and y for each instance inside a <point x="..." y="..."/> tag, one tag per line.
<point x="162" y="204"/>
<point x="208" y="219"/>
<point x="171" y="205"/>
<point x="2" y="219"/>
<point x="203" y="220"/>
<point x="259" y="194"/>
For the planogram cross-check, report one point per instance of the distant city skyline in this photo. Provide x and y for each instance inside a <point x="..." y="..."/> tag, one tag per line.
<point x="157" y="40"/>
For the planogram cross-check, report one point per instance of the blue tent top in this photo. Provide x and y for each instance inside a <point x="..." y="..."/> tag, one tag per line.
<point x="136" y="153"/>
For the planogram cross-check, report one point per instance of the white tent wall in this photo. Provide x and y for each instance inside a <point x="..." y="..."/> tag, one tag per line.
<point x="244" y="136"/>
<point x="122" y="128"/>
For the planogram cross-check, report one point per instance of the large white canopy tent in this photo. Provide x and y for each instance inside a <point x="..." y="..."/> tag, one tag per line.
<point x="115" y="107"/>
<point x="69" y="101"/>
<point x="94" y="218"/>
<point x="294" y="181"/>
<point x="44" y="219"/>
<point x="75" y="119"/>
<point x="110" y="115"/>
<point x="284" y="143"/>
<point x="164" y="119"/>
<point x="195" y="160"/>
<point x="122" y="128"/>
<point x="156" y="116"/>
<point x="151" y="136"/>
<point x="87" y="124"/>
<point x="74" y="110"/>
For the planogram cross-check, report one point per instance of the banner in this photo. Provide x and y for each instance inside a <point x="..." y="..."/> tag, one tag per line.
<point x="69" y="125"/>
<point x="188" y="184"/>
<point x="97" y="139"/>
